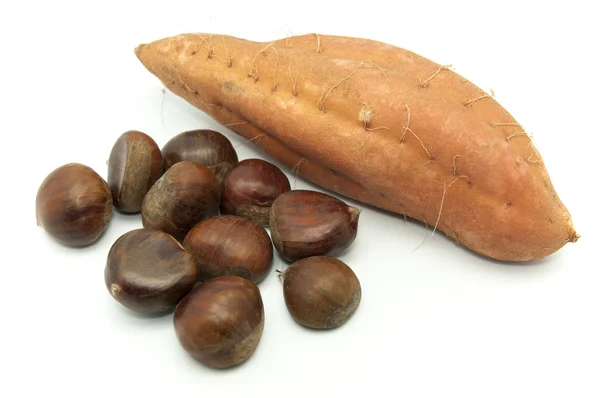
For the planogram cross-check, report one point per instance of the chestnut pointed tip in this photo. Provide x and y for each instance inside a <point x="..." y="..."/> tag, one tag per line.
<point x="115" y="289"/>
<point x="280" y="274"/>
<point x="354" y="213"/>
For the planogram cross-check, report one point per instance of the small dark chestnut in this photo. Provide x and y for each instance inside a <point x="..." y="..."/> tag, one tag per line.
<point x="250" y="189"/>
<point x="220" y="322"/>
<point x="184" y="195"/>
<point x="321" y="292"/>
<point x="148" y="271"/>
<point x="134" y="165"/>
<point x="74" y="205"/>
<point x="230" y="245"/>
<point x="306" y="223"/>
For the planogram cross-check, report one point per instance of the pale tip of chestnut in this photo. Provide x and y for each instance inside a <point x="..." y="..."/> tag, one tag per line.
<point x="115" y="289"/>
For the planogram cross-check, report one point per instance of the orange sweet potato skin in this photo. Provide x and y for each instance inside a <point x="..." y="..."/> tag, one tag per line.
<point x="379" y="124"/>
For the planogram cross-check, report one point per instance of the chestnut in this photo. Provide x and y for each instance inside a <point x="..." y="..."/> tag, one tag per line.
<point x="74" y="205"/>
<point x="220" y="322"/>
<point x="250" y="189"/>
<point x="307" y="223"/>
<point x="320" y="292"/>
<point x="230" y="245"/>
<point x="184" y="195"/>
<point x="207" y="147"/>
<point x="148" y="271"/>
<point x="134" y="165"/>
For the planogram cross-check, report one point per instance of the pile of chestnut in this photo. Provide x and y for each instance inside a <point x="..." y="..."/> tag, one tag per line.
<point x="204" y="248"/>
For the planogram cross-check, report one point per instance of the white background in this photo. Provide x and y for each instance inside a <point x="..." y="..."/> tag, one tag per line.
<point x="435" y="320"/>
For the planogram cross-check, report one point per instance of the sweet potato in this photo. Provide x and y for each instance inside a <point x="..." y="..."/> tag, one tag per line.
<point x="379" y="124"/>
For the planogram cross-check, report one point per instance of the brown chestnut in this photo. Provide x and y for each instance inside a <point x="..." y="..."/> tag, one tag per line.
<point x="321" y="292"/>
<point x="306" y="223"/>
<point x="220" y="322"/>
<point x="134" y="165"/>
<point x="74" y="205"/>
<point x="207" y="147"/>
<point x="148" y="271"/>
<point x="230" y="245"/>
<point x="250" y="189"/>
<point x="184" y="195"/>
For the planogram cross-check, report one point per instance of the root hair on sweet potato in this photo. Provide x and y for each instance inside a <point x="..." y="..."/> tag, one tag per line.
<point x="506" y="124"/>
<point x="274" y="86"/>
<point x="534" y="153"/>
<point x="454" y="164"/>
<point x="377" y="128"/>
<point x="253" y="69"/>
<point x="425" y="83"/>
<point x="253" y="139"/>
<point x="470" y="103"/>
<point x="211" y="50"/>
<point x="235" y="124"/>
<point x="407" y="125"/>
<point x="318" y="43"/>
<point x="323" y="97"/>
<point x="378" y="67"/>
<point x="421" y="142"/>
<point x="296" y="169"/>
<point x="517" y="134"/>
<point x="294" y="79"/>
<point x="407" y="128"/>
<point x="227" y="59"/>
<point x="403" y="212"/>
<point x="446" y="187"/>
<point x="426" y="233"/>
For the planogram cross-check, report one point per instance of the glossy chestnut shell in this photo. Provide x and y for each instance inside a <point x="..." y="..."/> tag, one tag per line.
<point x="220" y="322"/>
<point x="134" y="165"/>
<point x="74" y="205"/>
<point x="148" y="271"/>
<point x="207" y="147"/>
<point x="250" y="189"/>
<point x="321" y="292"/>
<point x="184" y="195"/>
<point x="230" y="245"/>
<point x="306" y="223"/>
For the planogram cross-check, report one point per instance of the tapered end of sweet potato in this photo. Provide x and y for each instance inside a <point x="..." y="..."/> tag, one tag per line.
<point x="573" y="235"/>
<point x="156" y="53"/>
<point x="143" y="54"/>
<point x="138" y="50"/>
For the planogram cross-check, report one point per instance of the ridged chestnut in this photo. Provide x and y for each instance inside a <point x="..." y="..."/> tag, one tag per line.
<point x="321" y="292"/>
<point x="220" y="322"/>
<point x="148" y="271"/>
<point x="74" y="205"/>
<point x="184" y="195"/>
<point x="250" y="189"/>
<point x="306" y="223"/>
<point x="134" y="165"/>
<point x="230" y="245"/>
